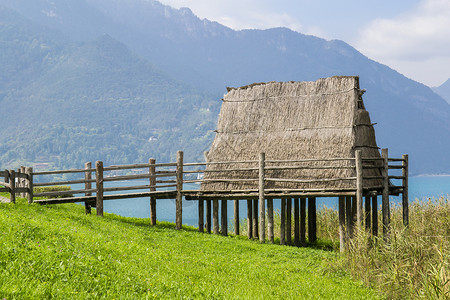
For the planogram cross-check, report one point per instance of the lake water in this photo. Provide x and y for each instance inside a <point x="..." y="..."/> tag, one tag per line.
<point x="420" y="187"/>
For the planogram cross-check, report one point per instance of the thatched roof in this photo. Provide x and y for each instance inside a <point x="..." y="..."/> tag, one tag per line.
<point x="293" y="120"/>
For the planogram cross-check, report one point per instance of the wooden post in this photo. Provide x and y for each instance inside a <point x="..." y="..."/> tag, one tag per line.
<point x="302" y="221"/>
<point x="348" y="214"/>
<point x="99" y="187"/>
<point x="255" y="219"/>
<point x="152" y="176"/>
<point x="236" y="217"/>
<point x="22" y="182"/>
<point x="87" y="186"/>
<point x="216" y="216"/>
<point x="289" y="221"/>
<point x="385" y="197"/>
<point x="367" y="213"/>
<point x="405" y="203"/>
<point x="342" y="223"/>
<point x="12" y="184"/>
<point x="359" y="189"/>
<point x="270" y="232"/>
<point x="179" y="197"/>
<point x="312" y="220"/>
<point x="29" y="172"/>
<point x="262" y="202"/>
<point x="224" y="218"/>
<point x="297" y="222"/>
<point x="201" y="215"/>
<point x="249" y="219"/>
<point x="374" y="215"/>
<point x="283" y="221"/>
<point x="354" y="204"/>
<point x="208" y="216"/>
<point x="18" y="182"/>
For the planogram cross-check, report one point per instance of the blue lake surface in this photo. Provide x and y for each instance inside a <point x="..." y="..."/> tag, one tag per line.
<point x="420" y="187"/>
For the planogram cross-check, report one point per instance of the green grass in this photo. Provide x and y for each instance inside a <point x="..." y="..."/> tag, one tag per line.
<point x="56" y="251"/>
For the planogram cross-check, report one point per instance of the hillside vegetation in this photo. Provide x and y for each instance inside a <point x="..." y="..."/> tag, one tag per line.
<point x="58" y="252"/>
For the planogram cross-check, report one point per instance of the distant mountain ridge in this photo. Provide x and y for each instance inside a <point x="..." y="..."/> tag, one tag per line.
<point x="444" y="90"/>
<point x="410" y="117"/>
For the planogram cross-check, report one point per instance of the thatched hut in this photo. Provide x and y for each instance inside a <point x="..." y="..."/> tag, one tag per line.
<point x="324" y="119"/>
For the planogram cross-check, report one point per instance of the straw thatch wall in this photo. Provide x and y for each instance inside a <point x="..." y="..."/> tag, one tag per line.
<point x="288" y="121"/>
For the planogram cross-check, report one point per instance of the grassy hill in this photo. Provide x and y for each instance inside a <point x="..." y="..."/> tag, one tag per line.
<point x="58" y="252"/>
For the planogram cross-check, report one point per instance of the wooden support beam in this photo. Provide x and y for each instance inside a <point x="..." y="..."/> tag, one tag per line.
<point x="297" y="222"/>
<point x="289" y="221"/>
<point x="179" y="198"/>
<point x="236" y="217"/>
<point x="30" y="185"/>
<point x="224" y="217"/>
<point x="249" y="219"/>
<point x="99" y="187"/>
<point x="216" y="216"/>
<point x="348" y="214"/>
<point x="342" y="226"/>
<point x="405" y="203"/>
<point x="359" y="189"/>
<point x="367" y="214"/>
<point x="208" y="216"/>
<point x="283" y="221"/>
<point x="152" y="173"/>
<point x="385" y="197"/>
<point x="374" y="215"/>
<point x="261" y="199"/>
<point x="270" y="229"/>
<point x="255" y="218"/>
<point x="12" y="186"/>
<point x="354" y="208"/>
<point x="312" y="220"/>
<point x="303" y="221"/>
<point x="87" y="186"/>
<point x="201" y="215"/>
<point x="22" y="181"/>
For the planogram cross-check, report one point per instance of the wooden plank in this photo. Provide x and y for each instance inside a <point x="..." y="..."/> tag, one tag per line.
<point x="138" y="166"/>
<point x="312" y="160"/>
<point x="208" y="216"/>
<point x="62" y="193"/>
<point x="342" y="226"/>
<point x="405" y="200"/>
<point x="261" y="199"/>
<point x="87" y="186"/>
<point x="224" y="217"/>
<point x="395" y="167"/>
<point x="249" y="219"/>
<point x="216" y="216"/>
<point x="136" y="187"/>
<point x="179" y="197"/>
<point x="396" y="159"/>
<point x="152" y="182"/>
<point x="236" y="217"/>
<point x="385" y="197"/>
<point x="302" y="221"/>
<point x="158" y="195"/>
<point x="289" y="221"/>
<point x="282" y="221"/>
<point x="270" y="230"/>
<point x="309" y="167"/>
<point x="99" y="186"/>
<point x="65" y="182"/>
<point x="63" y="171"/>
<point x="311" y="180"/>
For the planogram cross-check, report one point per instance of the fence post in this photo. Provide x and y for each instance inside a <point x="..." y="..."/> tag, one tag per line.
<point x="152" y="173"/>
<point x="22" y="181"/>
<point x="262" y="203"/>
<point x="385" y="196"/>
<point x="359" y="189"/>
<point x="405" y="203"/>
<point x="87" y="186"/>
<point x="12" y="186"/>
<point x="99" y="186"/>
<point x="29" y="172"/>
<point x="179" y="197"/>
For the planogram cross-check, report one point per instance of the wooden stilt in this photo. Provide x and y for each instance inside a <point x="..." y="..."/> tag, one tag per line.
<point x="348" y="214"/>
<point x="200" y="215"/>
<point x="208" y="216"/>
<point x="354" y="208"/>
<point x="255" y="218"/>
<point x="224" y="218"/>
<point x="282" y="221"/>
<point x="367" y="213"/>
<point x="359" y="189"/>
<point x="374" y="216"/>
<point x="236" y="217"/>
<point x="249" y="219"/>
<point x="405" y="203"/>
<point x="303" y="221"/>
<point x="342" y="223"/>
<point x="270" y="232"/>
<point x="385" y="197"/>
<point x="297" y="222"/>
<point x="289" y="221"/>
<point x="216" y="216"/>
<point x="312" y="220"/>
<point x="261" y="199"/>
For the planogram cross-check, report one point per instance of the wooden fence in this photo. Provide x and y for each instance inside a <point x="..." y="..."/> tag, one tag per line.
<point x="165" y="181"/>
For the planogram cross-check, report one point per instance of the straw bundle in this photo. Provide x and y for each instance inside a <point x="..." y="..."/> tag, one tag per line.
<point x="292" y="121"/>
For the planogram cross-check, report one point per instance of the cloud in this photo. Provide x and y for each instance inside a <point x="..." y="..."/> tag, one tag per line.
<point x="417" y="36"/>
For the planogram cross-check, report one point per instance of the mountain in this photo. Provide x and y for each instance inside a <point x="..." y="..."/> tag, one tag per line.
<point x="410" y="117"/>
<point x="444" y="90"/>
<point x="69" y="102"/>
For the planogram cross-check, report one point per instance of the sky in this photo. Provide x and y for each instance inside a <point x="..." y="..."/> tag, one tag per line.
<point x="410" y="36"/>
